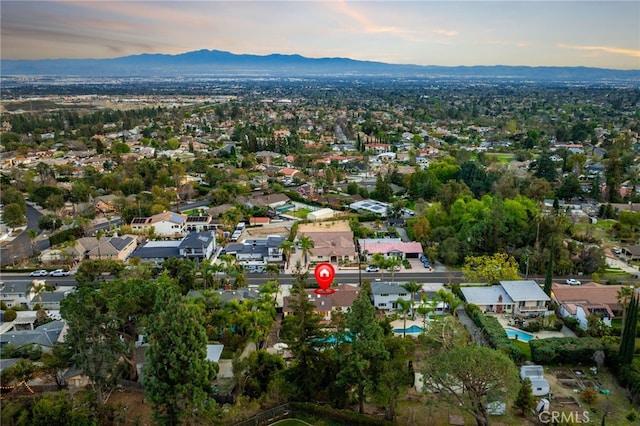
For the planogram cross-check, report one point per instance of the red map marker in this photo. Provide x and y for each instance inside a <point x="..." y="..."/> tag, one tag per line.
<point x="324" y="274"/>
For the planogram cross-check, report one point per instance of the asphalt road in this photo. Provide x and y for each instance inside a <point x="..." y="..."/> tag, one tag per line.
<point x="20" y="247"/>
<point x="285" y="279"/>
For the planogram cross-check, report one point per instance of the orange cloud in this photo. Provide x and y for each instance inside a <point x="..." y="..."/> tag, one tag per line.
<point x="604" y="49"/>
<point x="448" y="33"/>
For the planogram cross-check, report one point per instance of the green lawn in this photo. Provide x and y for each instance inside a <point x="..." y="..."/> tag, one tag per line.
<point x="524" y="348"/>
<point x="290" y="422"/>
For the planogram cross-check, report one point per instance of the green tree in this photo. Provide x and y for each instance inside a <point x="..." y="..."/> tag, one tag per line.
<point x="490" y="269"/>
<point x="479" y="371"/>
<point x="361" y="363"/>
<point x="525" y="400"/>
<point x="396" y="377"/>
<point x="548" y="277"/>
<point x="93" y="338"/>
<point x="287" y="247"/>
<point x="177" y="374"/>
<point x="404" y="307"/>
<point x="306" y="244"/>
<point x="13" y="215"/>
<point x="628" y="338"/>
<point x="55" y="363"/>
<point x="303" y="333"/>
<point x="412" y="287"/>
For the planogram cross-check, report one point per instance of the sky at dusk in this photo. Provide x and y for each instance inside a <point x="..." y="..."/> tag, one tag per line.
<point x="604" y="34"/>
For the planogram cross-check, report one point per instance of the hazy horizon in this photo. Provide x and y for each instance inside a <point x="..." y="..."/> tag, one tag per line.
<point x="599" y="34"/>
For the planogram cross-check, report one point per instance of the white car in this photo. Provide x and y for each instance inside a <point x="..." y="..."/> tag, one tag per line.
<point x="59" y="273"/>
<point x="573" y="281"/>
<point x="372" y="268"/>
<point x="39" y="273"/>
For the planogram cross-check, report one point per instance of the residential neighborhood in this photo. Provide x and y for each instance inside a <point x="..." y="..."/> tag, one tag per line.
<point x="202" y="223"/>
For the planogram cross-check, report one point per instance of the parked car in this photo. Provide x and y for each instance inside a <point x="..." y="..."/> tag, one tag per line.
<point x="616" y="250"/>
<point x="573" y="281"/>
<point x="59" y="273"/>
<point x="39" y="273"/>
<point x="395" y="268"/>
<point x="372" y="268"/>
<point x="426" y="264"/>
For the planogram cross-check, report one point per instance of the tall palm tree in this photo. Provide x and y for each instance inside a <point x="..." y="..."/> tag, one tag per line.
<point x="381" y="262"/>
<point x="405" y="306"/>
<point x="37" y="287"/>
<point x="450" y="300"/>
<point x="306" y="244"/>
<point x="33" y="234"/>
<point x="393" y="262"/>
<point x="412" y="287"/>
<point x="287" y="247"/>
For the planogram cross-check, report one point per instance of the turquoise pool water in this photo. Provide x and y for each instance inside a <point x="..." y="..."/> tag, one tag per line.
<point x="414" y="329"/>
<point x="519" y="334"/>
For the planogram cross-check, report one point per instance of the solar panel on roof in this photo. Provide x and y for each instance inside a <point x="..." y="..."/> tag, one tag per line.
<point x="197" y="218"/>
<point x="137" y="220"/>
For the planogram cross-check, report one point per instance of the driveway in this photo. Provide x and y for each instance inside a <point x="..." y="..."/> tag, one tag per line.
<point x="19" y="248"/>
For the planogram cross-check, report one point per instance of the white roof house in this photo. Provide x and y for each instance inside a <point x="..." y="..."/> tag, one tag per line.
<point x="523" y="297"/>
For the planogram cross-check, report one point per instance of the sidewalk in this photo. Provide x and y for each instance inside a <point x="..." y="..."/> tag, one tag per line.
<point x="615" y="262"/>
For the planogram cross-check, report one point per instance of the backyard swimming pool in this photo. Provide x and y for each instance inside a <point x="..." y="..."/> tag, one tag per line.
<point x="519" y="334"/>
<point x="414" y="329"/>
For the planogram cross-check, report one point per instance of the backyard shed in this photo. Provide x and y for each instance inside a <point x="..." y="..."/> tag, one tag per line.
<point x="321" y="214"/>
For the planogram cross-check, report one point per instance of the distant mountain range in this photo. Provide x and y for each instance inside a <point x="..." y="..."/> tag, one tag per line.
<point x="219" y="63"/>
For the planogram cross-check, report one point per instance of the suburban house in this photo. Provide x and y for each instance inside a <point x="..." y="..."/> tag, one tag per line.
<point x="195" y="245"/>
<point x="272" y="201"/>
<point x="385" y="295"/>
<point x="256" y="252"/>
<point x="198" y="245"/>
<point x="332" y="242"/>
<point x="579" y="302"/>
<point x="524" y="298"/>
<point x="389" y="247"/>
<point x="167" y="224"/>
<point x="631" y="252"/>
<point x="373" y="207"/>
<point x="16" y="294"/>
<point x="114" y="248"/>
<point x="327" y="304"/>
<point x="105" y="203"/>
<point x="44" y="336"/>
<point x="201" y="223"/>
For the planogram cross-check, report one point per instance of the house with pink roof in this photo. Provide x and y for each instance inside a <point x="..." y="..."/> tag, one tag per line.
<point x="389" y="247"/>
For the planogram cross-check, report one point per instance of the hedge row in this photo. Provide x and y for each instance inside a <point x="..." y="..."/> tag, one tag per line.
<point x="343" y="416"/>
<point x="560" y="350"/>
<point x="66" y="235"/>
<point x="494" y="333"/>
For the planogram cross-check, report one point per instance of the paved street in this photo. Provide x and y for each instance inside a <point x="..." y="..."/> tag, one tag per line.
<point x="19" y="247"/>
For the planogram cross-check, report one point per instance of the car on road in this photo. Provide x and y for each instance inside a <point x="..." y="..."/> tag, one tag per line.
<point x="372" y="268"/>
<point x="573" y="281"/>
<point x="59" y="273"/>
<point x="39" y="273"/>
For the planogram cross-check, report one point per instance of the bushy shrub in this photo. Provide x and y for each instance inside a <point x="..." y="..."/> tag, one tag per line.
<point x="632" y="415"/>
<point x="494" y="334"/>
<point x="589" y="395"/>
<point x="344" y="416"/>
<point x="566" y="349"/>
<point x="10" y="315"/>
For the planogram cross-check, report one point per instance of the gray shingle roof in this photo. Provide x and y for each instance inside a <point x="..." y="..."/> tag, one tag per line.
<point x="524" y="290"/>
